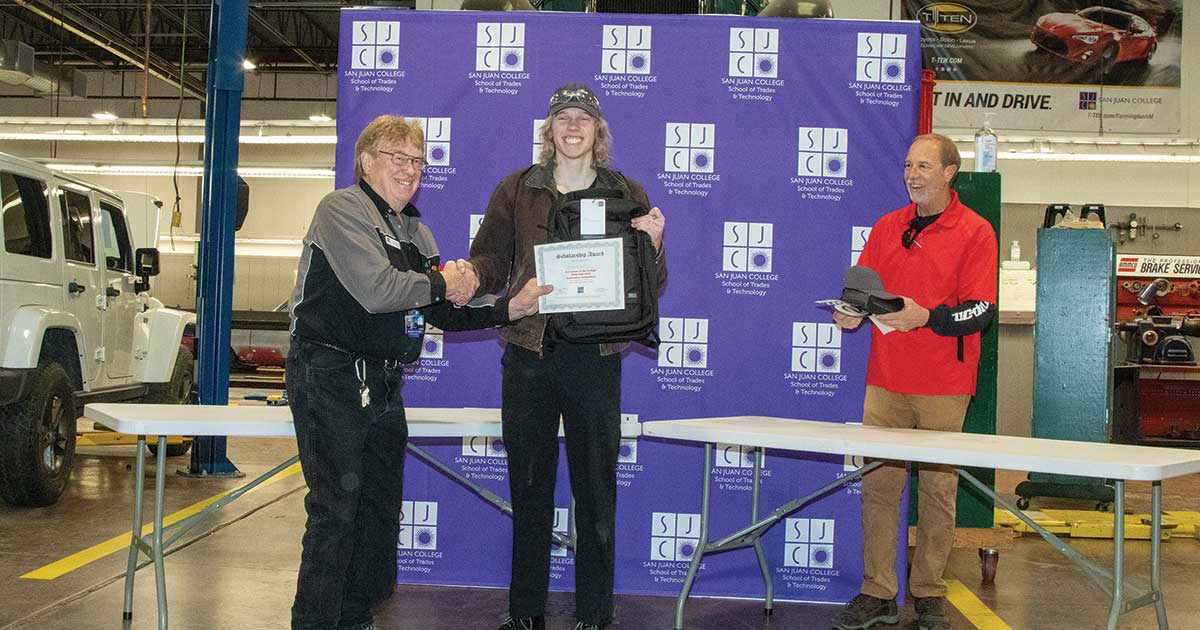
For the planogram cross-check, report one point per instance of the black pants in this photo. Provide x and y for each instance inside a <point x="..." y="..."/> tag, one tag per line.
<point x="585" y="388"/>
<point x="353" y="462"/>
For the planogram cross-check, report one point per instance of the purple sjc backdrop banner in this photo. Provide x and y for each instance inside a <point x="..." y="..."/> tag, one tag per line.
<point x="771" y="145"/>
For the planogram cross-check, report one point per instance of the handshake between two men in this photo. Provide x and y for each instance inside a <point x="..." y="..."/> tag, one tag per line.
<point x="462" y="282"/>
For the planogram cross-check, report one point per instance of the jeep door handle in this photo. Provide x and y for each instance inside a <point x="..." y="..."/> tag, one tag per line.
<point x="112" y="292"/>
<point x="75" y="287"/>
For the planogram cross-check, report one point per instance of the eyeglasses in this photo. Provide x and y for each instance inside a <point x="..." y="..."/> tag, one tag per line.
<point x="400" y="159"/>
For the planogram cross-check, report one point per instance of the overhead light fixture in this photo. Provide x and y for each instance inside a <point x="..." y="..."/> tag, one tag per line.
<point x="75" y="135"/>
<point x="1115" y="158"/>
<point x="249" y="65"/>
<point x="104" y="115"/>
<point x="320" y="118"/>
<point x="149" y="170"/>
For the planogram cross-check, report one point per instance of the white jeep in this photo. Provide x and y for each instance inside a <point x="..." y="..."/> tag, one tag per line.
<point x="76" y="323"/>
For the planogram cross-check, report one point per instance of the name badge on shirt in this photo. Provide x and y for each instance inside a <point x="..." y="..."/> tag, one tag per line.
<point x="414" y="324"/>
<point x="391" y="241"/>
<point x="591" y="218"/>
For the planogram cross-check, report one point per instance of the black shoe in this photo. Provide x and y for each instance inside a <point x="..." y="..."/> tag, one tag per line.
<point x="523" y="623"/>
<point x="865" y="611"/>
<point x="931" y="614"/>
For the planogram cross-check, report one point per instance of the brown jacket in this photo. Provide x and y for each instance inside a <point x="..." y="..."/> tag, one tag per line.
<point x="516" y="220"/>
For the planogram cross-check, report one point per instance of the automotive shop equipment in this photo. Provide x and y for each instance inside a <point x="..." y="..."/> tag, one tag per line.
<point x="1157" y="386"/>
<point x="1073" y="357"/>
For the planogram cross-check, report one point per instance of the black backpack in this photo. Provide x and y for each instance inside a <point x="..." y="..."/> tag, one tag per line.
<point x="638" y="321"/>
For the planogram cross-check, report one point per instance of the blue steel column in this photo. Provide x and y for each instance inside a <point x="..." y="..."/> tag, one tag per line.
<point x="219" y="208"/>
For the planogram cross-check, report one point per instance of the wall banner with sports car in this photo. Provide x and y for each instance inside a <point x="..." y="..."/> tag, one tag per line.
<point x="1098" y="66"/>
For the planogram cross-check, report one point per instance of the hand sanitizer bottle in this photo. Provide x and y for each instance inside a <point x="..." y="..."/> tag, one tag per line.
<point x="1014" y="252"/>
<point x="985" y="146"/>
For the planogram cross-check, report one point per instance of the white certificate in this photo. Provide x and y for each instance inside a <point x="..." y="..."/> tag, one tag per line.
<point x="587" y="275"/>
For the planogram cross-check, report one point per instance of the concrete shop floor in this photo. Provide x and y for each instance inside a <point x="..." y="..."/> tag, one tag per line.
<point x="239" y="569"/>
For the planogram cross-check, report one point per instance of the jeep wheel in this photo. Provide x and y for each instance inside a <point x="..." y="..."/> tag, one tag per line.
<point x="177" y="391"/>
<point x="38" y="449"/>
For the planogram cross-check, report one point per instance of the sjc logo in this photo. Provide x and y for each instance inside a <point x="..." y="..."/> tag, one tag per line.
<point x="735" y="456"/>
<point x="858" y="240"/>
<point x="431" y="345"/>
<point x="754" y="52"/>
<point x="437" y="140"/>
<point x="690" y="147"/>
<point x="881" y="57"/>
<point x="418" y="525"/>
<point x="674" y="537"/>
<point x="562" y="525"/>
<point x="500" y="46"/>
<point x="823" y="152"/>
<point x="627" y="453"/>
<point x="626" y="50"/>
<point x="537" y="139"/>
<point x="684" y="342"/>
<point x="851" y="463"/>
<point x="476" y="222"/>
<point x="747" y="247"/>
<point x="375" y="46"/>
<point x="816" y="347"/>
<point x="483" y="446"/>
<point x="808" y="543"/>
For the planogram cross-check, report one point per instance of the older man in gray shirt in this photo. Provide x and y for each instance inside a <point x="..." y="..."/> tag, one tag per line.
<point x="369" y="279"/>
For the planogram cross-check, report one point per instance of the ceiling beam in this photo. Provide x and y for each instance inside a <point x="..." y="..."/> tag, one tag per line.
<point x="105" y="37"/>
<point x="22" y="30"/>
<point x="263" y="24"/>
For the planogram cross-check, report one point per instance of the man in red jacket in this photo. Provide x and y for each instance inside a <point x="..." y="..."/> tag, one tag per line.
<point x="940" y="257"/>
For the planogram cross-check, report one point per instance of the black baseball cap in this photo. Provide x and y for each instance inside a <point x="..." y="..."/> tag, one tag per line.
<point x="863" y="289"/>
<point x="574" y="95"/>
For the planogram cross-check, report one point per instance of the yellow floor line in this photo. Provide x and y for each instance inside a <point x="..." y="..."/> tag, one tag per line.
<point x="120" y="542"/>
<point x="974" y="610"/>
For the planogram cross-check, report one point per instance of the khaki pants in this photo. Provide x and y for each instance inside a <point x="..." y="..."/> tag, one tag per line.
<point x="881" y="490"/>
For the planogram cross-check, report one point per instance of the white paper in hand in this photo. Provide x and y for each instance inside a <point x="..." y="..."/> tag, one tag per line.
<point x="883" y="328"/>
<point x="844" y="308"/>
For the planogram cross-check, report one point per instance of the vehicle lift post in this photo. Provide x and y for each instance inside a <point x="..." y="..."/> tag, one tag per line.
<point x="214" y="305"/>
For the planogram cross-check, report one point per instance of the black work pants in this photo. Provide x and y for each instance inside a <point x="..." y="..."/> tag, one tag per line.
<point x="585" y="388"/>
<point x="353" y="462"/>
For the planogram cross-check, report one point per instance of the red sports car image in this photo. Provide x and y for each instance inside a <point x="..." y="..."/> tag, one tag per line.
<point x="1096" y="35"/>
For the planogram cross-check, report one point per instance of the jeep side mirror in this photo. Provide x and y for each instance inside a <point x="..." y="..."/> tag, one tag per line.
<point x="145" y="265"/>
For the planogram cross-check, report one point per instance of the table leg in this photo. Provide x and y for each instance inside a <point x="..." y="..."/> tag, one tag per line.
<point x="136" y="533"/>
<point x="1118" y="590"/>
<point x="703" y="544"/>
<point x="760" y="454"/>
<point x="1160" y="607"/>
<point x="156" y="539"/>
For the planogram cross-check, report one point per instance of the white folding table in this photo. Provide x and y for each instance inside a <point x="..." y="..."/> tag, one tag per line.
<point x="1117" y="462"/>
<point x="262" y="421"/>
